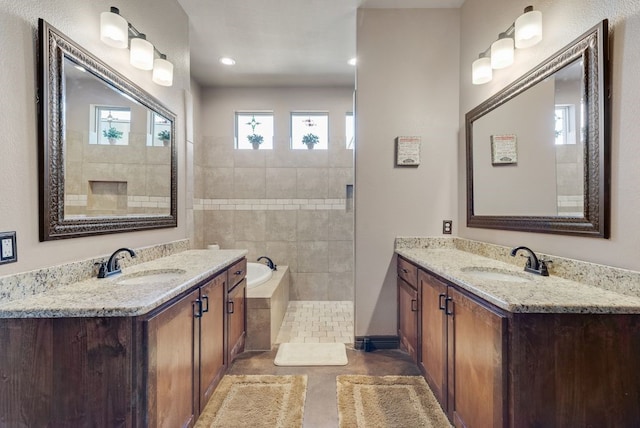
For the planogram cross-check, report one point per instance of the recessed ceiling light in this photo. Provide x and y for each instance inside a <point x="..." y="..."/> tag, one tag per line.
<point x="352" y="61"/>
<point x="227" y="61"/>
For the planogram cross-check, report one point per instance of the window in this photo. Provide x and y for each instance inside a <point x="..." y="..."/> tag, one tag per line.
<point x="112" y="125"/>
<point x="565" y="124"/>
<point x="159" y="130"/>
<point x="349" y="129"/>
<point x="309" y="129"/>
<point x="254" y="130"/>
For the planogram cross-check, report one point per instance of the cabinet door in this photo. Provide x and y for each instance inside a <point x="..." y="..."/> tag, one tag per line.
<point x="408" y="318"/>
<point x="433" y="334"/>
<point x="477" y="362"/>
<point x="171" y="344"/>
<point x="237" y="319"/>
<point x="212" y="363"/>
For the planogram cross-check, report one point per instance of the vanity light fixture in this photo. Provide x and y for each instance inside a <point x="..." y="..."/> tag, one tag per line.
<point x="115" y="31"/>
<point x="162" y="71"/>
<point x="525" y="32"/>
<point x="481" y="70"/>
<point x="227" y="61"/>
<point x="502" y="52"/>
<point x="141" y="53"/>
<point x="528" y="28"/>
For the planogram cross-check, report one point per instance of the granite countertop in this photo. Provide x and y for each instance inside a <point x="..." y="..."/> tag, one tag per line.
<point x="106" y="298"/>
<point x="528" y="293"/>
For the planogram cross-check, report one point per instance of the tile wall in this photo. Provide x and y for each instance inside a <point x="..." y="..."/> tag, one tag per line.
<point x="287" y="204"/>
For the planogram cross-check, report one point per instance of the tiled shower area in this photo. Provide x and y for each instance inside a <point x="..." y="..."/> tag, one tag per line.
<point x="290" y="205"/>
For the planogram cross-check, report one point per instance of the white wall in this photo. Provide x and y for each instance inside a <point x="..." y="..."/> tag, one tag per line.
<point x="563" y="21"/>
<point x="165" y="24"/>
<point x="407" y="84"/>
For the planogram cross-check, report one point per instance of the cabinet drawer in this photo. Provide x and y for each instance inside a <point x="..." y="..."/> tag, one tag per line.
<point x="237" y="272"/>
<point x="408" y="271"/>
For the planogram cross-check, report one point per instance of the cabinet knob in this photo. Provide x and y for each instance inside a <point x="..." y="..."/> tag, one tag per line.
<point x="238" y="272"/>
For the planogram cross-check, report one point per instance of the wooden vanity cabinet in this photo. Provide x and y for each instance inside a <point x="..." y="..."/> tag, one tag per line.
<point x="461" y="354"/>
<point x="185" y="355"/>
<point x="154" y="370"/>
<point x="489" y="367"/>
<point x="408" y="307"/>
<point x="236" y="310"/>
<point x="212" y="359"/>
<point x="172" y="368"/>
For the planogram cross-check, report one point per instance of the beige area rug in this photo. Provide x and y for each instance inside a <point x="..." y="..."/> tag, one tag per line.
<point x="311" y="354"/>
<point x="256" y="401"/>
<point x="387" y="401"/>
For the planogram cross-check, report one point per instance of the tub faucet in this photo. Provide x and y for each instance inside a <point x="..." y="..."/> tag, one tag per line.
<point x="534" y="265"/>
<point x="269" y="262"/>
<point x="112" y="266"/>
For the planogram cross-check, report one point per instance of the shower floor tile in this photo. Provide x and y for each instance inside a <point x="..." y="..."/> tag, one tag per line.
<point x="317" y="322"/>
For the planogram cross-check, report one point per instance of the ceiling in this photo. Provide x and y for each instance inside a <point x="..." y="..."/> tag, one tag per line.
<point x="280" y="42"/>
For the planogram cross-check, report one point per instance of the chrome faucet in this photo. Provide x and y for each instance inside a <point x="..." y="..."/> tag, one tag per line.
<point x="269" y="262"/>
<point x="534" y="265"/>
<point x="112" y="266"/>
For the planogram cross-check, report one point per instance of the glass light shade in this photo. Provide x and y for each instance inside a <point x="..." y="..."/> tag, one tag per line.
<point x="528" y="31"/>
<point x="114" y="29"/>
<point x="502" y="53"/>
<point x="141" y="54"/>
<point x="481" y="71"/>
<point x="162" y="72"/>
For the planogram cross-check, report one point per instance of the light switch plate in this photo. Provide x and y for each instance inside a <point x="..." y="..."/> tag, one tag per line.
<point x="8" y="253"/>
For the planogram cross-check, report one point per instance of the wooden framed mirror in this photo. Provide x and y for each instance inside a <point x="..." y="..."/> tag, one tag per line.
<point x="107" y="157"/>
<point x="538" y="151"/>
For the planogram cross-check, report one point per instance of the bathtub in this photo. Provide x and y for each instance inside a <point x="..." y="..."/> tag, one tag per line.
<point x="257" y="274"/>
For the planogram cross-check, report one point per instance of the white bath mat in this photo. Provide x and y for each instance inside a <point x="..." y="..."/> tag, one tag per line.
<point x="311" y="354"/>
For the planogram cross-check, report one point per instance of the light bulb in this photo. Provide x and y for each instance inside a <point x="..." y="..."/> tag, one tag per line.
<point x="502" y="52"/>
<point x="141" y="55"/>
<point x="481" y="71"/>
<point x="162" y="71"/>
<point x="528" y="28"/>
<point x="114" y="29"/>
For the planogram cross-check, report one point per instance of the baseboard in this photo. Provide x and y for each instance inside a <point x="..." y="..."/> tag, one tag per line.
<point x="371" y="343"/>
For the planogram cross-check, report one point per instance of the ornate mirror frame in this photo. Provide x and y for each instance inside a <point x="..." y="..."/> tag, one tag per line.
<point x="54" y="47"/>
<point x="592" y="48"/>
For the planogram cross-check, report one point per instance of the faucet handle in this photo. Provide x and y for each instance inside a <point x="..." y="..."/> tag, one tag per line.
<point x="102" y="269"/>
<point x="544" y="271"/>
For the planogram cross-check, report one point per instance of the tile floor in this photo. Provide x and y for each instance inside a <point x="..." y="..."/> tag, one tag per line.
<point x="317" y="321"/>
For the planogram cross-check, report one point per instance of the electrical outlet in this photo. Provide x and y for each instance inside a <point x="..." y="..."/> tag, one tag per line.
<point x="447" y="226"/>
<point x="8" y="247"/>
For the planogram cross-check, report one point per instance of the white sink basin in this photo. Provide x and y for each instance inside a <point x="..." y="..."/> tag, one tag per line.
<point x="495" y="274"/>
<point x="150" y="277"/>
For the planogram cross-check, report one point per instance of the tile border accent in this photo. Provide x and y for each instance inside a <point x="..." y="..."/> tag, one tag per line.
<point x="268" y="204"/>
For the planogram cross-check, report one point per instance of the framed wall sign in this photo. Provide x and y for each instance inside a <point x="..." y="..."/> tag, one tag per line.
<point x="504" y="149"/>
<point x="408" y="151"/>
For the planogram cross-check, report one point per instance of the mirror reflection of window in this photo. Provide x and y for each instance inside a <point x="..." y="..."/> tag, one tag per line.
<point x="159" y="130"/>
<point x="250" y="127"/>
<point x="349" y="129"/>
<point x="113" y="125"/>
<point x="565" y="126"/>
<point x="306" y="126"/>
